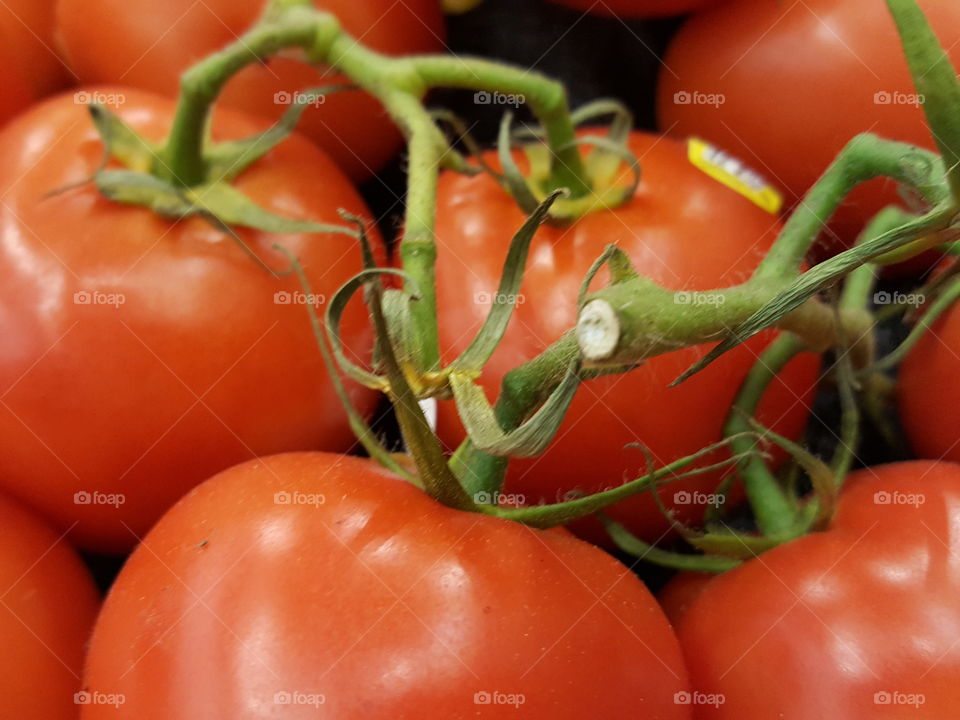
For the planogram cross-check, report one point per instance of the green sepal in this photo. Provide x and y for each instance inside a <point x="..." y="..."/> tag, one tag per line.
<point x="531" y="437"/>
<point x="358" y="424"/>
<point x="227" y="160"/>
<point x="335" y="309"/>
<point x="501" y="309"/>
<point x="121" y="142"/>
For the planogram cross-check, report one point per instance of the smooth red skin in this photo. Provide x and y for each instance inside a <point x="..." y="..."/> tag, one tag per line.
<point x="638" y="8"/>
<point x="148" y="44"/>
<point x="678" y="595"/>
<point x="684" y="230"/>
<point x="814" y="628"/>
<point x="799" y="78"/>
<point x="198" y="370"/>
<point x="928" y="390"/>
<point x="386" y="602"/>
<point x="48" y="604"/>
<point x="27" y="32"/>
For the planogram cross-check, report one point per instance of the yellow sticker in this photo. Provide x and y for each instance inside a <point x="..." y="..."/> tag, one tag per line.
<point x="734" y="174"/>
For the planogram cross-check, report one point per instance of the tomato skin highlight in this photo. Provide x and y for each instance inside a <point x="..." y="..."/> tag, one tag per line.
<point x="48" y="604"/>
<point x="378" y="598"/>
<point x="143" y="355"/>
<point x="798" y="80"/>
<point x="148" y="45"/>
<point x="638" y="8"/>
<point x="858" y="622"/>
<point x="684" y="230"/>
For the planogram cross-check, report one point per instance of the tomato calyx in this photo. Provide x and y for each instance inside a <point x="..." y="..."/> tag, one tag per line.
<point x="611" y="172"/>
<point x="144" y="179"/>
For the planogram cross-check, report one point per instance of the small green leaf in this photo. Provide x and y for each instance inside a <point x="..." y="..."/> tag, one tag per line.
<point x="335" y="309"/>
<point x="137" y="188"/>
<point x="358" y="424"/>
<point x="122" y="142"/>
<point x="234" y="208"/>
<point x="226" y="160"/>
<point x="513" y="180"/>
<point x="508" y="292"/>
<point x="530" y="438"/>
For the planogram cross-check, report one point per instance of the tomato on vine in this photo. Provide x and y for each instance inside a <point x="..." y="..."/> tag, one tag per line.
<point x="683" y="229"/>
<point x="144" y="354"/>
<point x="48" y="604"/>
<point x="785" y="85"/>
<point x="329" y="586"/>
<point x="858" y="621"/>
<point x="148" y="45"/>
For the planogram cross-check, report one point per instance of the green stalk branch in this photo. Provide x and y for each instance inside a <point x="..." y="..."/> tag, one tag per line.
<point x="774" y="510"/>
<point x="864" y="158"/>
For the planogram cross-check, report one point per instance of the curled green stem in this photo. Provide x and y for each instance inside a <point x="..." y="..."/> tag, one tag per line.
<point x="774" y="510"/>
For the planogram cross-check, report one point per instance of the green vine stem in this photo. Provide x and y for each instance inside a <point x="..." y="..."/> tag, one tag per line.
<point x="619" y="326"/>
<point x="774" y="510"/>
<point x="864" y="158"/>
<point x="399" y="84"/>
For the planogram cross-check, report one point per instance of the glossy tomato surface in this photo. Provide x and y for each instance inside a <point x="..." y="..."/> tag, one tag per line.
<point x="140" y="355"/>
<point x="859" y="622"/>
<point x="638" y="8"/>
<point x="148" y="45"/>
<point x="928" y="390"/>
<point x="48" y="603"/>
<point x="683" y="229"/>
<point x="314" y="585"/>
<point x="786" y="84"/>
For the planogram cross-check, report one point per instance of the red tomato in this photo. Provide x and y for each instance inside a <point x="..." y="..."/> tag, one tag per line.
<point x="859" y="622"/>
<point x="679" y="594"/>
<point x="329" y="586"/>
<point x="684" y="230"/>
<point x="787" y="83"/>
<point x="638" y="8"/>
<point x="48" y="603"/>
<point x="27" y="32"/>
<point x="149" y="44"/>
<point x="928" y="391"/>
<point x="143" y="355"/>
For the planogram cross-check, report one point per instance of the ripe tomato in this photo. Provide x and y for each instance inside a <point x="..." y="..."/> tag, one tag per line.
<point x="787" y="83"/>
<point x="27" y="32"/>
<point x="148" y="45"/>
<point x="928" y="391"/>
<point x="320" y="579"/>
<point x="856" y="622"/>
<point x="142" y="355"/>
<point x="684" y="230"/>
<point x="48" y="603"/>
<point x="638" y="8"/>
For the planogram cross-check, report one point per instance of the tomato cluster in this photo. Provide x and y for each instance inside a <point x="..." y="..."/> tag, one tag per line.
<point x="169" y="401"/>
